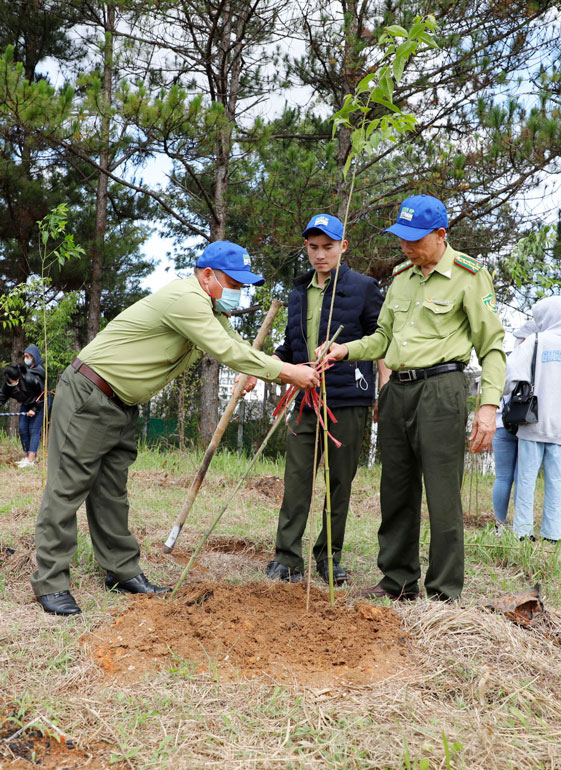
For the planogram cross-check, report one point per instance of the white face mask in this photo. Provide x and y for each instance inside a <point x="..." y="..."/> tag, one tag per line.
<point x="12" y="384"/>
<point x="28" y="361"/>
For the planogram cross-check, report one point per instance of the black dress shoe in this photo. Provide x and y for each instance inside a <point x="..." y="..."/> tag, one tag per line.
<point x="339" y="574"/>
<point x="136" y="585"/>
<point x="378" y="592"/>
<point x="60" y="603"/>
<point x="277" y="571"/>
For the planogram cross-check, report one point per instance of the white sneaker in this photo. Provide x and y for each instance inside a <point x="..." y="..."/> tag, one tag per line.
<point x="21" y="462"/>
<point x="25" y="463"/>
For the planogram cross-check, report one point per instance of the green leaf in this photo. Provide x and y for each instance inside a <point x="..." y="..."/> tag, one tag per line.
<point x="398" y="67"/>
<point x="364" y="84"/>
<point x="396" y="30"/>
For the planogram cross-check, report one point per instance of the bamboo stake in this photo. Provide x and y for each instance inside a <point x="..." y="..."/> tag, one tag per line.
<point x="256" y="456"/>
<point x="311" y="524"/>
<point x="326" y="437"/>
<point x="327" y="492"/>
<point x="218" y="433"/>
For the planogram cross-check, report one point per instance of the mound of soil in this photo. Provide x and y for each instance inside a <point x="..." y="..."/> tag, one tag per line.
<point x="254" y="630"/>
<point x="269" y="486"/>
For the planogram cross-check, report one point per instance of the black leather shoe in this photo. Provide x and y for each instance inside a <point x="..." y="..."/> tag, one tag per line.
<point x="61" y="603"/>
<point x="136" y="585"/>
<point x="339" y="574"/>
<point x="277" y="571"/>
<point x="378" y="592"/>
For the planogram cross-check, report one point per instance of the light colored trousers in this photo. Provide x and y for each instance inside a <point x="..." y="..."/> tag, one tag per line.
<point x="531" y="456"/>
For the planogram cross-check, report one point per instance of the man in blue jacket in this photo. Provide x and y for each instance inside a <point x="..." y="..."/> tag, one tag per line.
<point x="350" y="394"/>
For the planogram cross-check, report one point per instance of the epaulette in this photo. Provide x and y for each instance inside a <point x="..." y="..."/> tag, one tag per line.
<point x="468" y="263"/>
<point x="401" y="267"/>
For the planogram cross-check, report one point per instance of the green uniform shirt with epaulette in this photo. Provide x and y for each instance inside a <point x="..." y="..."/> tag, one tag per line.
<point x="428" y="320"/>
<point x="315" y="294"/>
<point x="153" y="341"/>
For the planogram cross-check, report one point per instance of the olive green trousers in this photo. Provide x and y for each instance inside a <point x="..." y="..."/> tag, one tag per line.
<point x="92" y="443"/>
<point x="421" y="433"/>
<point x="299" y="476"/>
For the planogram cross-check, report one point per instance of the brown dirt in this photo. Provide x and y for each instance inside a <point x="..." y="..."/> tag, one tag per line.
<point x="270" y="486"/>
<point x="254" y="630"/>
<point x="235" y="546"/>
<point x="478" y="519"/>
<point x="37" y="747"/>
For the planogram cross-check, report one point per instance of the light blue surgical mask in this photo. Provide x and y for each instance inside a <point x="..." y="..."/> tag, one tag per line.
<point x="230" y="299"/>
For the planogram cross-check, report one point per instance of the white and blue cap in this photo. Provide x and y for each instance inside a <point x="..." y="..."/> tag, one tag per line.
<point x="329" y="225"/>
<point x="232" y="260"/>
<point x="419" y="216"/>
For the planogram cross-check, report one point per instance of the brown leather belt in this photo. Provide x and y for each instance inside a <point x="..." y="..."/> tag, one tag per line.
<point x="98" y="381"/>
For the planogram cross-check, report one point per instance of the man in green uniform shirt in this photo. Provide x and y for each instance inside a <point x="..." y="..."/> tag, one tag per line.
<point x="440" y="304"/>
<point x="93" y="430"/>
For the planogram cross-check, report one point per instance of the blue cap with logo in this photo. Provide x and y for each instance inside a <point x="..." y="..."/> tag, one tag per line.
<point x="419" y="216"/>
<point x="329" y="225"/>
<point x="232" y="260"/>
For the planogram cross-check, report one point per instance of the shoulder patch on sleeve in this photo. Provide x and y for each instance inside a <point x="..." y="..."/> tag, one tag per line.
<point x="468" y="263"/>
<point x="402" y="266"/>
<point x="490" y="302"/>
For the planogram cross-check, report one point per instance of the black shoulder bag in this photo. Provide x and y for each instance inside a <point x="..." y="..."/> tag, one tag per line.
<point x="522" y="406"/>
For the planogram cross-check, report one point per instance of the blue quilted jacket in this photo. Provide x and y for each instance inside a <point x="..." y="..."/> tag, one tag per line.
<point x="358" y="300"/>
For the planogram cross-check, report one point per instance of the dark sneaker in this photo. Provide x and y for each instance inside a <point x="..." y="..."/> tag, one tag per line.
<point x="277" y="571"/>
<point x="59" y="603"/>
<point x="136" y="585"/>
<point x="531" y="538"/>
<point x="339" y="574"/>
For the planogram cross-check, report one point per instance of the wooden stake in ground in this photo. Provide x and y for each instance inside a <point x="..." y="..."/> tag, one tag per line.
<point x="219" y="432"/>
<point x="256" y="456"/>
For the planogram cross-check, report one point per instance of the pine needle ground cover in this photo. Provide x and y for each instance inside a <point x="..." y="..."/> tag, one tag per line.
<point x="236" y="674"/>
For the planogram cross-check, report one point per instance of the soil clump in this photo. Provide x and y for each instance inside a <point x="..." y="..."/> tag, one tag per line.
<point x="26" y="744"/>
<point x="256" y="630"/>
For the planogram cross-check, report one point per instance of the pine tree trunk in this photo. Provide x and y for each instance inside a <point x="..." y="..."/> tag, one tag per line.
<point x="94" y="291"/>
<point x="208" y="418"/>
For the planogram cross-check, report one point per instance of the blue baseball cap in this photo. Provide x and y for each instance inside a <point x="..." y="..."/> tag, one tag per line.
<point x="329" y="225"/>
<point x="232" y="260"/>
<point x="419" y="216"/>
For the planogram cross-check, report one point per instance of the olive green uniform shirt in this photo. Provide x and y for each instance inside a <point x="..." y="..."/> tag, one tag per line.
<point x="428" y="320"/>
<point x="153" y="341"/>
<point x="315" y="301"/>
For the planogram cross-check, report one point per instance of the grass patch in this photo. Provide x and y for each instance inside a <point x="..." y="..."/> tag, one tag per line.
<point x="479" y="694"/>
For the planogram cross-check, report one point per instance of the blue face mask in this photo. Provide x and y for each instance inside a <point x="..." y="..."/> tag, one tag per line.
<point x="230" y="299"/>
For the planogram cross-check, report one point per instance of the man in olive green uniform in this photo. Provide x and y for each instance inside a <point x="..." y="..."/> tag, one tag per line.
<point x="440" y="304"/>
<point x="93" y="429"/>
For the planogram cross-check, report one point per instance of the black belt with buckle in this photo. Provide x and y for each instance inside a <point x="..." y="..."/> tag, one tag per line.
<point x="412" y="375"/>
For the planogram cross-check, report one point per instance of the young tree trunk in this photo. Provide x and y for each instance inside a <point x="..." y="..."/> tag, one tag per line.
<point x="94" y="290"/>
<point x="227" y="93"/>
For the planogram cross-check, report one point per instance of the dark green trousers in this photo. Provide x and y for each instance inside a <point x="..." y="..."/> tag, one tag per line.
<point x="92" y="443"/>
<point x="421" y="432"/>
<point x="298" y="481"/>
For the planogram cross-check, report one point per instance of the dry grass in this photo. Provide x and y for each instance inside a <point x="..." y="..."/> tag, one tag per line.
<point x="480" y="694"/>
